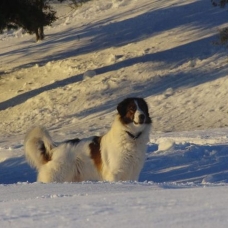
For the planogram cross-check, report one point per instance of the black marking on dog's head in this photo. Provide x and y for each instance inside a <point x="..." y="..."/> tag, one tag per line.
<point x="72" y="141"/>
<point x="95" y="152"/>
<point x="128" y="107"/>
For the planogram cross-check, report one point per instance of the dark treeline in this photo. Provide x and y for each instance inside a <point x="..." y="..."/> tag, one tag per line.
<point x="223" y="33"/>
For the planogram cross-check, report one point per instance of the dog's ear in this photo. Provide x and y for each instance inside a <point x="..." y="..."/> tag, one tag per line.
<point x="122" y="107"/>
<point x="144" y="106"/>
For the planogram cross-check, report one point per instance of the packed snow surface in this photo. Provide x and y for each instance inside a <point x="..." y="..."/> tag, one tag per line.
<point x="71" y="82"/>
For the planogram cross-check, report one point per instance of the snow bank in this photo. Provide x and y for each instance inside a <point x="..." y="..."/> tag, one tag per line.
<point x="161" y="50"/>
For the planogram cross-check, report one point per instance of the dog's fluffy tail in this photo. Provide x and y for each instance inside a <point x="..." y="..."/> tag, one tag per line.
<point x="38" y="147"/>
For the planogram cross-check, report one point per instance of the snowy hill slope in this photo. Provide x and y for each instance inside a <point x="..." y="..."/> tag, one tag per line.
<point x="160" y="50"/>
<point x="164" y="51"/>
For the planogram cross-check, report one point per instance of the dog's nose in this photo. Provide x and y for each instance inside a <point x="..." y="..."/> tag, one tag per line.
<point x="141" y="118"/>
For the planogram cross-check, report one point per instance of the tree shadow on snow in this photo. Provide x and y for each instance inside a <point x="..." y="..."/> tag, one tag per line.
<point x="16" y="170"/>
<point x="187" y="163"/>
<point x="157" y="85"/>
<point x="21" y="98"/>
<point x="120" y="33"/>
<point x="113" y="33"/>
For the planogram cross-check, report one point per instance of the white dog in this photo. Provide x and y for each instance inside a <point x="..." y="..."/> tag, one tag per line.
<point x="116" y="156"/>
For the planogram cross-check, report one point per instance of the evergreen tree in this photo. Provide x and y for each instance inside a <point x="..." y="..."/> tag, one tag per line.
<point x="41" y="14"/>
<point x="221" y="3"/>
<point x="31" y="15"/>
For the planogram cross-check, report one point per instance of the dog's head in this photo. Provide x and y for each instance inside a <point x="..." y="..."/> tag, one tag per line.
<point x="134" y="111"/>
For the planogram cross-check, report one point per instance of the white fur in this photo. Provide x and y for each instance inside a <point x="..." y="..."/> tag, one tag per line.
<point x="122" y="156"/>
<point x="32" y="140"/>
<point x="137" y="113"/>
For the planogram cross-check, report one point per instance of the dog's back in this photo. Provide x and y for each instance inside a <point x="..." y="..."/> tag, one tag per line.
<point x="38" y="147"/>
<point x="66" y="161"/>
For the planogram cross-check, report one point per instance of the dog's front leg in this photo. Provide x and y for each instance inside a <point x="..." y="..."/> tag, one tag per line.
<point x="112" y="177"/>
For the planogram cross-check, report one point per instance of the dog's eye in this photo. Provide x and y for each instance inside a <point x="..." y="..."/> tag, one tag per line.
<point x="132" y="109"/>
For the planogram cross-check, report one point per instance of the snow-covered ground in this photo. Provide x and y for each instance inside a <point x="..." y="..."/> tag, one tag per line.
<point x="92" y="58"/>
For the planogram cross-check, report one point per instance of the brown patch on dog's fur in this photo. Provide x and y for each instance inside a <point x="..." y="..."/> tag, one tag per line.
<point x="127" y="111"/>
<point x="131" y="108"/>
<point x="95" y="152"/>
